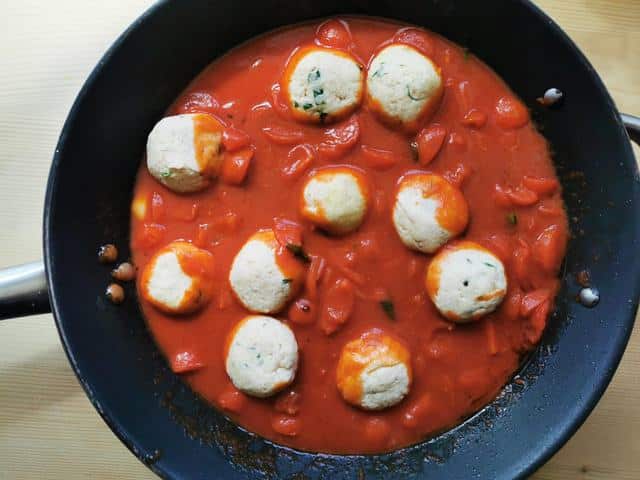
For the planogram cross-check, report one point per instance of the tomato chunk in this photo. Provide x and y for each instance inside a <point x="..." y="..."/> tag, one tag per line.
<point x="511" y="113"/>
<point x="183" y="362"/>
<point x="522" y="197"/>
<point x="532" y="299"/>
<point x="378" y="159"/>
<point x="302" y="312"/>
<point x="512" y="304"/>
<point x="234" y="139"/>
<point x="338" y="306"/>
<point x="334" y="33"/>
<point x="537" y="322"/>
<point x="236" y="165"/>
<point x="226" y="223"/>
<point x="542" y="186"/>
<point x="430" y="142"/>
<point x="548" y="248"/>
<point x="521" y="262"/>
<point x="299" y="159"/>
<point x="416" y="38"/>
<point x="232" y="400"/>
<point x="340" y="139"/>
<point x="287" y="232"/>
<point x="199" y="102"/>
<point x="288" y="402"/>
<point x="286" y="425"/>
<point x="475" y="118"/>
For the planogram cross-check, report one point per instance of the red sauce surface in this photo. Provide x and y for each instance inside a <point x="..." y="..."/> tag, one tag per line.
<point x="480" y="138"/>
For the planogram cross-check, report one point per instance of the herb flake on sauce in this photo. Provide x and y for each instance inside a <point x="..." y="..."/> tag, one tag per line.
<point x="389" y="308"/>
<point x="298" y="252"/>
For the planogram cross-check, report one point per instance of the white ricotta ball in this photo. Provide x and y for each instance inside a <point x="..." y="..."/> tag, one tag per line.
<point x="184" y="151"/>
<point x="258" y="280"/>
<point x="262" y="356"/>
<point x="335" y="199"/>
<point x="428" y="212"/>
<point x="466" y="281"/>
<point x="323" y="84"/>
<point x="374" y="371"/>
<point x="403" y="85"/>
<point x="169" y="286"/>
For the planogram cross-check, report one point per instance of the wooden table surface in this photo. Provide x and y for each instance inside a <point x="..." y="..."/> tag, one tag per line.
<point x="48" y="428"/>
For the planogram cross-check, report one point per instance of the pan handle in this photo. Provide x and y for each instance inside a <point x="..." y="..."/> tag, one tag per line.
<point x="632" y="124"/>
<point x="23" y="290"/>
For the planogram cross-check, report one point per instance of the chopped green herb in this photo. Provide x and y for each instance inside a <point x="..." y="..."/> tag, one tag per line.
<point x="298" y="252"/>
<point x="512" y="218"/>
<point x="416" y="99"/>
<point x="379" y="72"/>
<point x="165" y="174"/>
<point x="296" y="104"/>
<point x="313" y="75"/>
<point x="489" y="264"/>
<point x="307" y="106"/>
<point x="318" y="96"/>
<point x="287" y="281"/>
<point x="468" y="260"/>
<point x="388" y="308"/>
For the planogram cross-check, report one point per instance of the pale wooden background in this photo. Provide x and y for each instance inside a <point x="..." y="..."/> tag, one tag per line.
<point x="48" y="429"/>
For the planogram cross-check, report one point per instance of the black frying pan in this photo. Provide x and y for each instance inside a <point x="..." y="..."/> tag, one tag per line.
<point x="180" y="436"/>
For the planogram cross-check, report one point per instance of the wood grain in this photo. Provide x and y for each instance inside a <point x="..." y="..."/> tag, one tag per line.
<point x="48" y="429"/>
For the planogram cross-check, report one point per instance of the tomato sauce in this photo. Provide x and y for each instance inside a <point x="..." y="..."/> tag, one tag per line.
<point x="480" y="138"/>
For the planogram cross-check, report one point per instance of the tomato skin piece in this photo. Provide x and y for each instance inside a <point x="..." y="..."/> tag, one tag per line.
<point x="199" y="102"/>
<point x="234" y="139"/>
<point x="542" y="186"/>
<point x="430" y="141"/>
<point x="378" y="159"/>
<point x="299" y="159"/>
<point x="314" y="274"/>
<point x="340" y="139"/>
<point x="283" y="135"/>
<point x="338" y="306"/>
<point x="334" y="33"/>
<point x="522" y="197"/>
<point x="511" y="113"/>
<point x="236" y="165"/>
